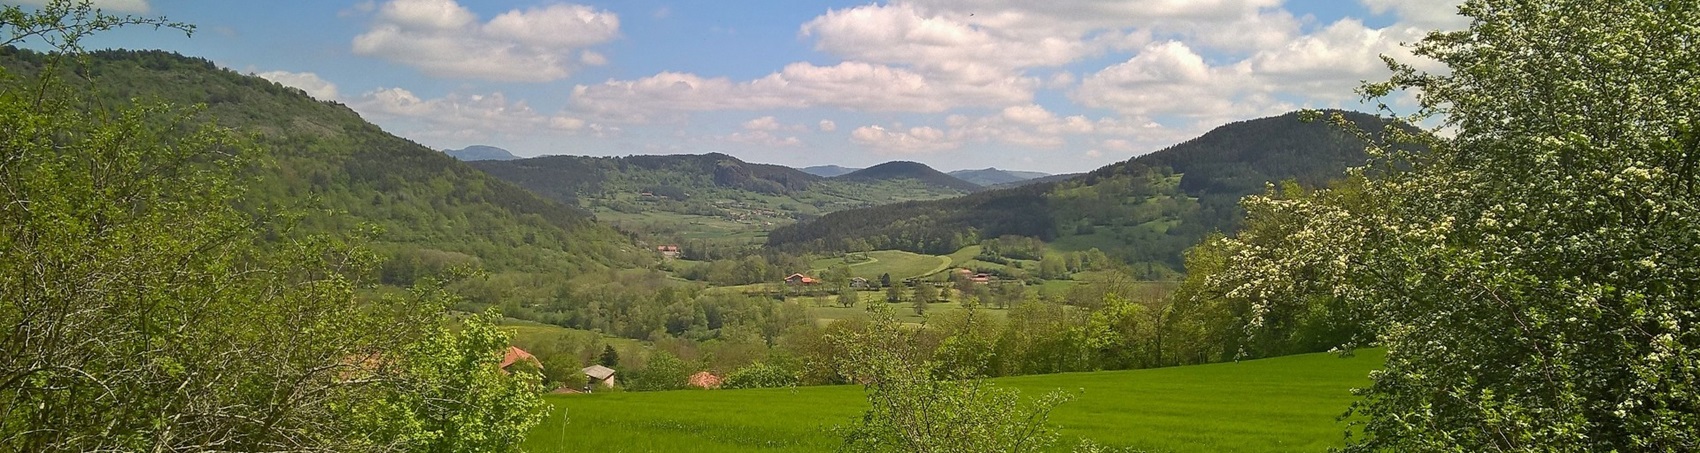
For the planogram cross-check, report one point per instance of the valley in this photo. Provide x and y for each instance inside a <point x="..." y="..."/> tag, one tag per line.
<point x="815" y="241"/>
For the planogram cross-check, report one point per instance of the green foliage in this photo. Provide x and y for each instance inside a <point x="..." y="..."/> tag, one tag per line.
<point x="663" y="371"/>
<point x="761" y="375"/>
<point x="149" y="304"/>
<point x="609" y="358"/>
<point x="925" y="406"/>
<point x="1532" y="276"/>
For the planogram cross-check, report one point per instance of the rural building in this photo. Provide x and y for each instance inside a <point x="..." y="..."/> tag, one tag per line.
<point x="516" y="355"/>
<point x="599" y="375"/>
<point x="669" y="251"/>
<point x="860" y="283"/>
<point x="705" y="380"/>
<point x="800" y="279"/>
<point x="981" y="278"/>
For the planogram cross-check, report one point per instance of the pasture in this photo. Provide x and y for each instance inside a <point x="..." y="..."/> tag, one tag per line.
<point x="898" y="263"/>
<point x="1270" y="405"/>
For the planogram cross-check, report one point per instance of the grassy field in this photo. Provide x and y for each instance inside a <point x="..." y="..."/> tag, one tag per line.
<point x="1271" y="405"/>
<point x="899" y="264"/>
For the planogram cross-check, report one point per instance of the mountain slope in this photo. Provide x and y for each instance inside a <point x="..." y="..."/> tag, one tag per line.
<point x="680" y="198"/>
<point x="1145" y="210"/>
<point x="828" y="171"/>
<point x="432" y="210"/>
<point x="897" y="170"/>
<point x="480" y="152"/>
<point x="992" y="176"/>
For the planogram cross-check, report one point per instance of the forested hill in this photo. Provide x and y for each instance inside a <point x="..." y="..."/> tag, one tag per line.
<point x="1144" y="210"/>
<point x="899" y="170"/>
<point x="992" y="176"/>
<point x="480" y="152"/>
<point x="433" y="211"/>
<point x="567" y="178"/>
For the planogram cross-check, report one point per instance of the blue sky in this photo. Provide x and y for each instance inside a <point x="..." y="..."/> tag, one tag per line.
<point x="1054" y="86"/>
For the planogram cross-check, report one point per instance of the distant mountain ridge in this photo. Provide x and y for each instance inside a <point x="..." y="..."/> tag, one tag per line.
<point x="828" y="171"/>
<point x="480" y="152"/>
<point x="917" y="171"/>
<point x="1148" y="209"/>
<point x="992" y="176"/>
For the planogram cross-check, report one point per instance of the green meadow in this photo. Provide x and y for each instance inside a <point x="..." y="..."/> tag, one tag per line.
<point x="1271" y="405"/>
<point x="898" y="263"/>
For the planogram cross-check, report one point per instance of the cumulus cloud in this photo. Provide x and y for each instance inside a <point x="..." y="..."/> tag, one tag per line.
<point x="468" y="116"/>
<point x="766" y="123"/>
<point x="444" y="39"/>
<point x="850" y="85"/>
<point x="828" y="126"/>
<point x="315" y="86"/>
<point x="896" y="141"/>
<point x="763" y="138"/>
<point x="1431" y="14"/>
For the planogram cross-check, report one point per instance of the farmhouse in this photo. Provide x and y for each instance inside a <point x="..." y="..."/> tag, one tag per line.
<point x="860" y="283"/>
<point x="599" y="375"/>
<point x="800" y="279"/>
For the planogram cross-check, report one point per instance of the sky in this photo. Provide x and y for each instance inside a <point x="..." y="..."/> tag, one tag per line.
<point x="1056" y="86"/>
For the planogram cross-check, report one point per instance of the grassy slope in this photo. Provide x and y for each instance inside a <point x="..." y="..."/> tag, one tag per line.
<point x="899" y="264"/>
<point x="1281" y="404"/>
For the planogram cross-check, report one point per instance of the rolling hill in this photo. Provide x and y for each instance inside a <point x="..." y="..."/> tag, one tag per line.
<point x="827" y="171"/>
<point x="480" y="152"/>
<point x="431" y="209"/>
<point x="992" y="176"/>
<point x="1145" y="210"/>
<point x="708" y="197"/>
<point x="905" y="170"/>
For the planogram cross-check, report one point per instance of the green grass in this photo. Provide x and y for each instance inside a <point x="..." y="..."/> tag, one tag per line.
<point x="899" y="264"/>
<point x="1271" y="405"/>
<point x="905" y="311"/>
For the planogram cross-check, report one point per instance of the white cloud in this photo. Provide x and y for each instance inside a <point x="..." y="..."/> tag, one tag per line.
<point x="828" y="126"/>
<point x="914" y="140"/>
<point x="766" y="123"/>
<point x="315" y="86"/>
<point x="1428" y="14"/>
<point x="467" y="116"/>
<point x="849" y="85"/>
<point x="444" y="39"/>
<point x="763" y="138"/>
<point x="114" y="6"/>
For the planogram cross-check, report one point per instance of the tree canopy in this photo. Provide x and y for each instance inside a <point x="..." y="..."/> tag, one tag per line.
<point x="1535" y="274"/>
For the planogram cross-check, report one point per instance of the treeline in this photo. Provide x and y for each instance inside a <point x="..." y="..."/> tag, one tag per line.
<point x="1108" y="322"/>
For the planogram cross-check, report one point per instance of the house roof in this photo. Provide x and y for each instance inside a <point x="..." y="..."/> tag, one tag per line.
<point x="598" y="372"/>
<point x="515" y="355"/>
<point x="704" y="379"/>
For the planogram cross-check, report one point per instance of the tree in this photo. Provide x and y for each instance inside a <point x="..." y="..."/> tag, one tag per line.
<point x="918" y="405"/>
<point x="1532" y="274"/>
<point x="894" y="293"/>
<point x="149" y="304"/>
<point x="609" y="358"/>
<point x="847" y="296"/>
<point x="885" y="279"/>
<point x="925" y="292"/>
